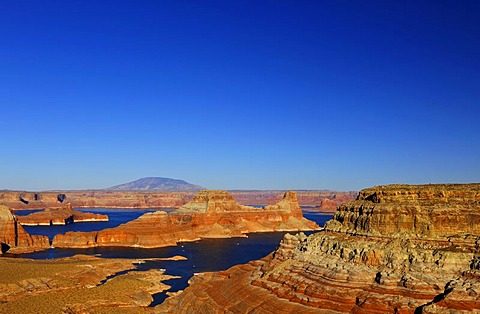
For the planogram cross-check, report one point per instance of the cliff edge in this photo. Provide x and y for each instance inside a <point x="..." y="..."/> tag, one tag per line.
<point x="396" y="249"/>
<point x="14" y="238"/>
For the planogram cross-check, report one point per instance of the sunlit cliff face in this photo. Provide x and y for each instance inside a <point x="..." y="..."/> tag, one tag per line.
<point x="396" y="249"/>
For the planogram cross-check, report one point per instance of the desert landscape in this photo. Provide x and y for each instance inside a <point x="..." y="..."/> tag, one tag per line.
<point x="396" y="248"/>
<point x="240" y="157"/>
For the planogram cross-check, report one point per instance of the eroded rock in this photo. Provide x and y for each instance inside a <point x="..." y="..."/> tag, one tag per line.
<point x="14" y="238"/>
<point x="211" y="214"/>
<point x="396" y="249"/>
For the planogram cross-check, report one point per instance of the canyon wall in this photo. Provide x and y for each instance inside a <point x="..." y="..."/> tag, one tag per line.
<point x="14" y="238"/>
<point x="325" y="200"/>
<point x="396" y="249"/>
<point x="210" y="214"/>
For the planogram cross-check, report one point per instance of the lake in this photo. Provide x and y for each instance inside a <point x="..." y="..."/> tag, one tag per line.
<point x="204" y="255"/>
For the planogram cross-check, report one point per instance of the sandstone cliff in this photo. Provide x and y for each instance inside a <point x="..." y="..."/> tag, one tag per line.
<point x="14" y="238"/>
<point x="211" y="214"/>
<point x="59" y="216"/>
<point x="396" y="249"/>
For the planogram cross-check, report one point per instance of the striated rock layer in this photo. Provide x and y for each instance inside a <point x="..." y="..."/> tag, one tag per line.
<point x="59" y="216"/>
<point x="14" y="238"/>
<point x="325" y="200"/>
<point x="211" y="214"/>
<point x="396" y="249"/>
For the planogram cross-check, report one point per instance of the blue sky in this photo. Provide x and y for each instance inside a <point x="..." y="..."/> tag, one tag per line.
<point x="239" y="94"/>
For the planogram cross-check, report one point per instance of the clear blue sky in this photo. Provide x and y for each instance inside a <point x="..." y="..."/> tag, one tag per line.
<point x="239" y="94"/>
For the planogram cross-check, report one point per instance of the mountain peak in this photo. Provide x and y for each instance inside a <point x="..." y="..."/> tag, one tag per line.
<point x="157" y="184"/>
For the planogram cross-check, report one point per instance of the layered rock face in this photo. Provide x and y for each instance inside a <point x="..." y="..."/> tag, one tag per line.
<point x="14" y="238"/>
<point x="59" y="216"/>
<point x="211" y="214"/>
<point x="431" y="211"/>
<point x="396" y="249"/>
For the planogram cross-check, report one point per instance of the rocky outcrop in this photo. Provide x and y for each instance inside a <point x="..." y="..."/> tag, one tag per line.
<point x="211" y="214"/>
<point x="59" y="216"/>
<point x="14" y="238"/>
<point x="326" y="200"/>
<point x="396" y="249"/>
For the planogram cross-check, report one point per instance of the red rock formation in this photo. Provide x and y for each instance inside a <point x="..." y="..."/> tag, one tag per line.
<point x="59" y="216"/>
<point x="147" y="199"/>
<point x="396" y="249"/>
<point x="211" y="214"/>
<point x="14" y="238"/>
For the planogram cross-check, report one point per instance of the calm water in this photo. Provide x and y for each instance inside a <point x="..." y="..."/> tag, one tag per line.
<point x="116" y="217"/>
<point x="204" y="255"/>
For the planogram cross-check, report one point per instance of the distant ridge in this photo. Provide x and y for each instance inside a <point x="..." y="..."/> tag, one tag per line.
<point x="157" y="184"/>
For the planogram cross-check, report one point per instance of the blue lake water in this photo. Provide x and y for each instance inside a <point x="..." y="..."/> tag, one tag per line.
<point x="116" y="217"/>
<point x="204" y="255"/>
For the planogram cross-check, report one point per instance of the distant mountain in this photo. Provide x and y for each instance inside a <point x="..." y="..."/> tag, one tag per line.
<point x="157" y="184"/>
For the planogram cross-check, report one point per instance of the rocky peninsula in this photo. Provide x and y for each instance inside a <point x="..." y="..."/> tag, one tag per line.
<point x="59" y="216"/>
<point x="396" y="249"/>
<point x="78" y="284"/>
<point x="211" y="214"/>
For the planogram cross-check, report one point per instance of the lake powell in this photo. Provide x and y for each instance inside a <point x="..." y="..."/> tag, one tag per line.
<point x="202" y="256"/>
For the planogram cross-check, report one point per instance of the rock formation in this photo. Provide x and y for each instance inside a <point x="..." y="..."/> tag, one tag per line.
<point x="326" y="200"/>
<point x="211" y="214"/>
<point x="14" y="238"/>
<point x="59" y="216"/>
<point x="396" y="249"/>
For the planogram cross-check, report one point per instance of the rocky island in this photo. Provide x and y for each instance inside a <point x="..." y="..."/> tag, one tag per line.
<point x="211" y="214"/>
<point x="396" y="249"/>
<point x="59" y="216"/>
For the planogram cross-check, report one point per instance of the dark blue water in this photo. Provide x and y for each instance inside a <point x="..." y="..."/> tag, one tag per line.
<point x="116" y="217"/>
<point x="204" y="255"/>
<point x="25" y="212"/>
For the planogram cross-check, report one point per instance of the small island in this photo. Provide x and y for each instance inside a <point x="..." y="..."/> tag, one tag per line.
<point x="59" y="216"/>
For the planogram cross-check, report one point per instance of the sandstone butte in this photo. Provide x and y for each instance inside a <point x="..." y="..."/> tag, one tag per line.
<point x="59" y="216"/>
<point x="326" y="201"/>
<point x="211" y="214"/>
<point x="396" y="249"/>
<point x="14" y="238"/>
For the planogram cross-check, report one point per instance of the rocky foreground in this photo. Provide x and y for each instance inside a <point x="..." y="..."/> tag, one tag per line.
<point x="396" y="249"/>
<point x="59" y="216"/>
<point x="326" y="201"/>
<point x="79" y="284"/>
<point x="211" y="214"/>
